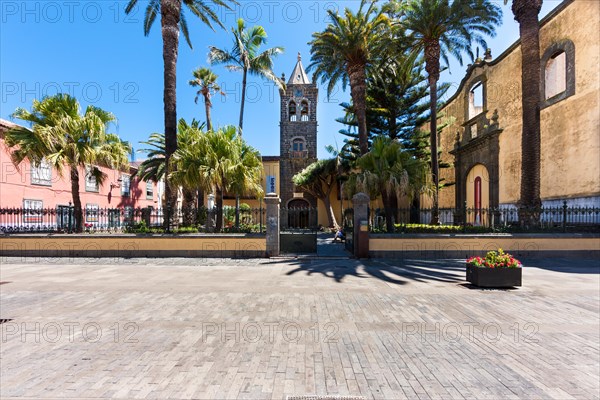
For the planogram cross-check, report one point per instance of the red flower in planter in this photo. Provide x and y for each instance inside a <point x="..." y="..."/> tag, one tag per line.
<point x="495" y="259"/>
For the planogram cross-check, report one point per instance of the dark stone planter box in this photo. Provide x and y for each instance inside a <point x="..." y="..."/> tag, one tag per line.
<point x="494" y="277"/>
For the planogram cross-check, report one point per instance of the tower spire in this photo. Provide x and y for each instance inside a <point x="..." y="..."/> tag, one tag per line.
<point x="299" y="76"/>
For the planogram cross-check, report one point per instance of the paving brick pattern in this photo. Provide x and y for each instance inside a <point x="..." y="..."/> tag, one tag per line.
<point x="268" y="329"/>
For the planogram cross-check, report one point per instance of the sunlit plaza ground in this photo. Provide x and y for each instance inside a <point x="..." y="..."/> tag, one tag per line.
<point x="267" y="329"/>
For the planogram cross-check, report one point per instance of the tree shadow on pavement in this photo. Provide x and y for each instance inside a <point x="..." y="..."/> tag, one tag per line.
<point x="569" y="266"/>
<point x="399" y="272"/>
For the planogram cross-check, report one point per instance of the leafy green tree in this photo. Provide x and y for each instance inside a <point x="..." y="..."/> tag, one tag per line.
<point x="66" y="139"/>
<point x="246" y="56"/>
<point x="400" y="108"/>
<point x="397" y="104"/>
<point x="206" y="82"/>
<point x="526" y="13"/>
<point x="320" y="178"/>
<point x="172" y="19"/>
<point x="350" y="150"/>
<point x="389" y="171"/>
<point x="440" y="28"/>
<point x="344" y="52"/>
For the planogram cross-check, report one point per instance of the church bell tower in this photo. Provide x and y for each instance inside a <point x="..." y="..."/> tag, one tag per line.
<point x="298" y="135"/>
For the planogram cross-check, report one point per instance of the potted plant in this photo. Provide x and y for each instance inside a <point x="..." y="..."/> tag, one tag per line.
<point x="496" y="269"/>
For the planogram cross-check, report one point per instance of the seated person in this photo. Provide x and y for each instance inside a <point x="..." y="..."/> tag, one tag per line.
<point x="339" y="235"/>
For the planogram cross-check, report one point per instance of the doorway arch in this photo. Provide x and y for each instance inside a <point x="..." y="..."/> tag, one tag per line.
<point x="478" y="195"/>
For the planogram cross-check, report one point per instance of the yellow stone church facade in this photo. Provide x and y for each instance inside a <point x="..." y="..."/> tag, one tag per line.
<point x="483" y="140"/>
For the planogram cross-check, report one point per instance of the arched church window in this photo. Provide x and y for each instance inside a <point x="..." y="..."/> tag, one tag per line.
<point x="292" y="111"/>
<point x="476" y="100"/>
<point x="298" y="145"/>
<point x="304" y="110"/>
<point x="556" y="75"/>
<point x="298" y="148"/>
<point x="557" y="72"/>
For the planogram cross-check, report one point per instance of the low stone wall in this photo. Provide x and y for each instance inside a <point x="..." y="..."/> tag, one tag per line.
<point x="426" y="246"/>
<point x="130" y="245"/>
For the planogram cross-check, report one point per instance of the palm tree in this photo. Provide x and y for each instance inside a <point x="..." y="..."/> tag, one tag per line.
<point x="153" y="168"/>
<point x="64" y="138"/>
<point x="219" y="160"/>
<point x="172" y="19"/>
<point x="390" y="171"/>
<point x="345" y="50"/>
<point x="206" y="81"/>
<point x="441" y="28"/>
<point x="245" y="56"/>
<point x="246" y="175"/>
<point x="526" y="13"/>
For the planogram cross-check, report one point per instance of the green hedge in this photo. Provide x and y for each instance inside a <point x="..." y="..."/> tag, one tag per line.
<point x="423" y="228"/>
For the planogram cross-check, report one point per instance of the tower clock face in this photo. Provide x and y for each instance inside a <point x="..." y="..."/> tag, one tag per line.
<point x="298" y="93"/>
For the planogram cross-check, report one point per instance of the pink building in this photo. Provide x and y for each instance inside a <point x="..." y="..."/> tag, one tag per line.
<point x="41" y="187"/>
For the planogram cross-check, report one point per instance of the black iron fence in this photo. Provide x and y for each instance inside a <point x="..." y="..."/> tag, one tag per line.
<point x="298" y="230"/>
<point x="150" y="220"/>
<point x="129" y="219"/>
<point x="298" y="219"/>
<point x="501" y="219"/>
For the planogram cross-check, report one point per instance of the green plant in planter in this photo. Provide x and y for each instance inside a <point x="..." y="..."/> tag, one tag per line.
<point x="495" y="259"/>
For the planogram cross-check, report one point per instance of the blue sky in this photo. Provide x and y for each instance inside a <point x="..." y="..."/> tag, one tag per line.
<point x="92" y="50"/>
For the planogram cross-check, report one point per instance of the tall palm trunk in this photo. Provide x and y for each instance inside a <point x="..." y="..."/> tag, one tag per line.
<point x="394" y="208"/>
<point x="432" y="66"/>
<point x="219" y="203"/>
<point x="170" y="16"/>
<point x="200" y="199"/>
<point x="244" y="81"/>
<point x="386" y="198"/>
<point x="358" y="90"/>
<point x="526" y="13"/>
<point x="207" y="106"/>
<point x="188" y="207"/>
<point x="237" y="196"/>
<point x="76" y="199"/>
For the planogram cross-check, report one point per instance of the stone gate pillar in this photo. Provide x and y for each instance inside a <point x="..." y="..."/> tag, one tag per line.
<point x="360" y="203"/>
<point x="273" y="203"/>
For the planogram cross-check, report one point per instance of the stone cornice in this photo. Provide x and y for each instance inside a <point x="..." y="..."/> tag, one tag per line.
<point x="477" y="142"/>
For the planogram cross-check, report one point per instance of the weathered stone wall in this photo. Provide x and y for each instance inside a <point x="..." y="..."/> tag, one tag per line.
<point x="131" y="245"/>
<point x="569" y="128"/>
